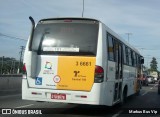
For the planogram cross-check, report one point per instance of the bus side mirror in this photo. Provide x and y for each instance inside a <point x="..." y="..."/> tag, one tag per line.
<point x="142" y="60"/>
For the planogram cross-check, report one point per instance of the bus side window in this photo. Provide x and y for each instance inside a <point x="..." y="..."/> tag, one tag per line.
<point x="138" y="62"/>
<point x="134" y="59"/>
<point x="116" y="47"/>
<point x="124" y="55"/>
<point x="110" y="48"/>
<point x="127" y="56"/>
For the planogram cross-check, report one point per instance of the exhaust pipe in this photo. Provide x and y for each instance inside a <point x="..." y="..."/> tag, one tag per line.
<point x="32" y="32"/>
<point x="31" y="56"/>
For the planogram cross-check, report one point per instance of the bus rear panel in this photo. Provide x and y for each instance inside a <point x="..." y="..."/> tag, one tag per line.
<point x="62" y="64"/>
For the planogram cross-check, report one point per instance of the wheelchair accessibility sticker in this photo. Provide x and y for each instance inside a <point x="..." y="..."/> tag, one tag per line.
<point x="38" y="81"/>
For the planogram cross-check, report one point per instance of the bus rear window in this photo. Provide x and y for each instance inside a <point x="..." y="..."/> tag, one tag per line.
<point x="66" y="39"/>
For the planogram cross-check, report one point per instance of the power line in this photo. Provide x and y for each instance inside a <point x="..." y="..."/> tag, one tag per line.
<point x="12" y="37"/>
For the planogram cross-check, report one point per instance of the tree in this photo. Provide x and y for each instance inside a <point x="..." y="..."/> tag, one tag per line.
<point x="153" y="64"/>
<point x="8" y="65"/>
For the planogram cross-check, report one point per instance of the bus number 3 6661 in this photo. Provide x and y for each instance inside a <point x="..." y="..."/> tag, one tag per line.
<point x="83" y="63"/>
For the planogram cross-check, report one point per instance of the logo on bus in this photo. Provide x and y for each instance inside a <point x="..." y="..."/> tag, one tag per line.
<point x="48" y="68"/>
<point x="76" y="73"/>
<point x="56" y="79"/>
<point x="48" y="65"/>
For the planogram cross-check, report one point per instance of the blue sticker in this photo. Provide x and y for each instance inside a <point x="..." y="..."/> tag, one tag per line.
<point x="38" y="81"/>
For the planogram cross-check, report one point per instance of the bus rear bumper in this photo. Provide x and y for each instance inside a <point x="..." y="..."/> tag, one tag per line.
<point x="36" y="94"/>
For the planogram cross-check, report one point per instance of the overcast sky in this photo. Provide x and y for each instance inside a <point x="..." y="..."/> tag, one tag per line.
<point x="139" y="17"/>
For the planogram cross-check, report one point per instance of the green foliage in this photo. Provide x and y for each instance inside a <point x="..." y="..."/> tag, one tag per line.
<point x="9" y="65"/>
<point x="153" y="65"/>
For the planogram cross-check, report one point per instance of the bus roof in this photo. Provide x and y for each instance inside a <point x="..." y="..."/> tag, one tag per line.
<point x="73" y="18"/>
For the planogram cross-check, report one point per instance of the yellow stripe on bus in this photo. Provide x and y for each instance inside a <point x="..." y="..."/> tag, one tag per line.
<point x="76" y="73"/>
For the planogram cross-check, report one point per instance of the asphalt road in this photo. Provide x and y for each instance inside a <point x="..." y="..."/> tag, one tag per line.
<point x="148" y="102"/>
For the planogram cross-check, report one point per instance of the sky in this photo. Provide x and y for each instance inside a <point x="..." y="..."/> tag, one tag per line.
<point x="140" y="18"/>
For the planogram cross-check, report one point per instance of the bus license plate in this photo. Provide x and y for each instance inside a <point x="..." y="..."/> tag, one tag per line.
<point x="58" y="96"/>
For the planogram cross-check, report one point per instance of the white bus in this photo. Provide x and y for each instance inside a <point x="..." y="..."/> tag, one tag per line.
<point x="79" y="60"/>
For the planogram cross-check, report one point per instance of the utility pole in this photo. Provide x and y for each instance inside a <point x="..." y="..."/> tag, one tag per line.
<point x="83" y="9"/>
<point x="128" y="36"/>
<point x="2" y="65"/>
<point x="20" y="59"/>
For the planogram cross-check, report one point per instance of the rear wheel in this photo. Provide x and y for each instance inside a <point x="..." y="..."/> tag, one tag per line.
<point x="138" y="92"/>
<point x="140" y="84"/>
<point x="124" y="97"/>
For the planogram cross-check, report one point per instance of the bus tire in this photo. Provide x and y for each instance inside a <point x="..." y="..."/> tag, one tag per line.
<point x="124" y="96"/>
<point x="138" y="92"/>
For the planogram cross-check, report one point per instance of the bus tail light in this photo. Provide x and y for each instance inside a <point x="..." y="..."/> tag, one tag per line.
<point x="81" y="96"/>
<point x="24" y="71"/>
<point x="36" y="93"/>
<point x="99" y="74"/>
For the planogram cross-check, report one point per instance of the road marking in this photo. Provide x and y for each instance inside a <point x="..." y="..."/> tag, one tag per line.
<point x="154" y="86"/>
<point x="25" y="106"/>
<point x="150" y="88"/>
<point x="117" y="114"/>
<point x="144" y="93"/>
